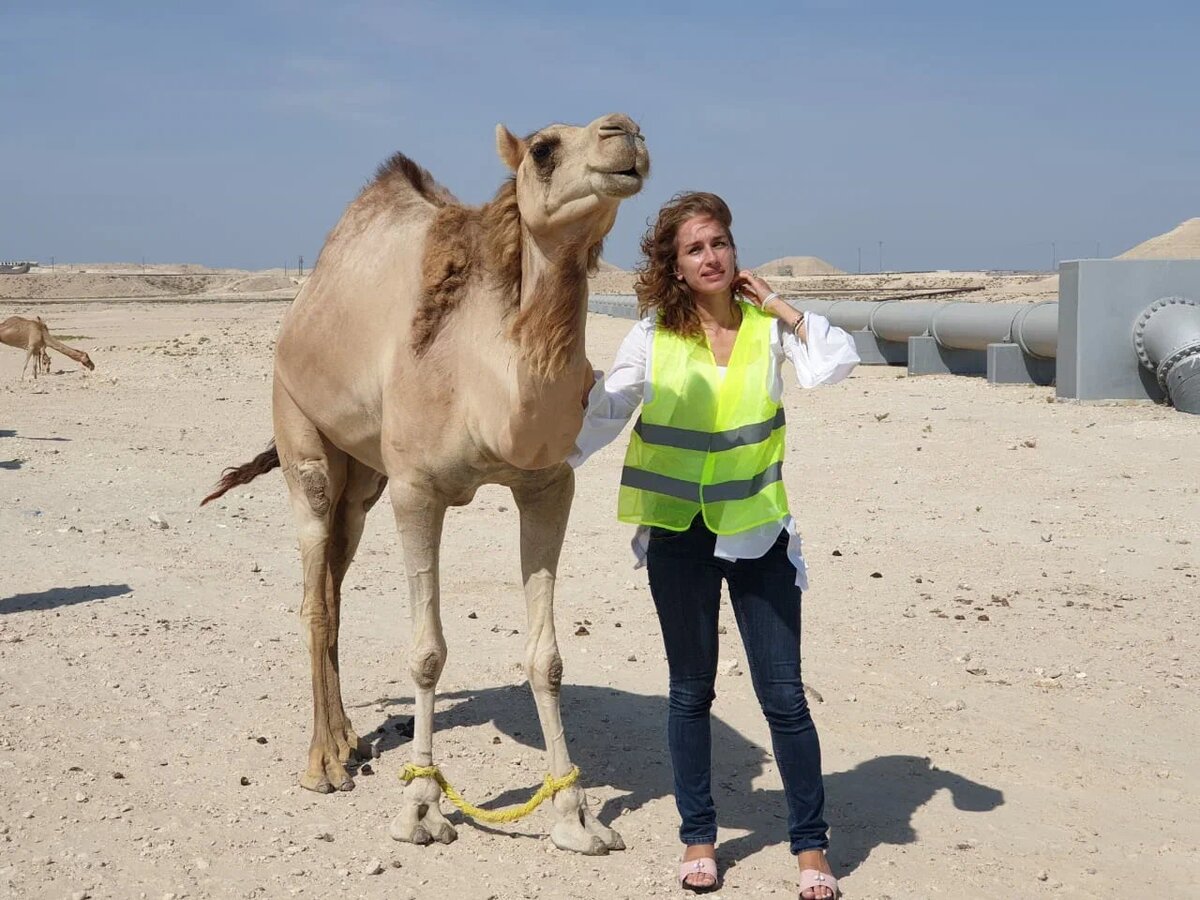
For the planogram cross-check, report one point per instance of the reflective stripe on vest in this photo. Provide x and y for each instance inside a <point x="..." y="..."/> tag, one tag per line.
<point x="704" y="444"/>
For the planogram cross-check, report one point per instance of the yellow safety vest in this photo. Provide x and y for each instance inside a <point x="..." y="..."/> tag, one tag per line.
<point x="704" y="444"/>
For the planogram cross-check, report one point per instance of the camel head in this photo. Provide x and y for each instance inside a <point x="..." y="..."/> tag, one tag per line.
<point x="570" y="179"/>
<point x="86" y="361"/>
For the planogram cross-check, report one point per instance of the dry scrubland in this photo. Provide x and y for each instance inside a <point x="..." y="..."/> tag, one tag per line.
<point x="1002" y="624"/>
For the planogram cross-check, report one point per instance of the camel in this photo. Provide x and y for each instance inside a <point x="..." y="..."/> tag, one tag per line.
<point x="436" y="348"/>
<point x="34" y="337"/>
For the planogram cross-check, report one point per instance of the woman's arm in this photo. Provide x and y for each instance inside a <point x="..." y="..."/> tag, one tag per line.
<point x="826" y="354"/>
<point x="820" y="353"/>
<point x="615" y="396"/>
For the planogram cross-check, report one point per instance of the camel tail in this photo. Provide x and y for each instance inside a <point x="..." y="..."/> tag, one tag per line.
<point x="244" y="474"/>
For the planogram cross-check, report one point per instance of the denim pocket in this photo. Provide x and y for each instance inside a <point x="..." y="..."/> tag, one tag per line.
<point x="664" y="535"/>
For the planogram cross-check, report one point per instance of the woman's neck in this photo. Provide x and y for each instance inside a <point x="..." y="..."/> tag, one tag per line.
<point x="717" y="310"/>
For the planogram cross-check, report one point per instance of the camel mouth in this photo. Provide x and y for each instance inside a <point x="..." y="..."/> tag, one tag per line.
<point x="623" y="183"/>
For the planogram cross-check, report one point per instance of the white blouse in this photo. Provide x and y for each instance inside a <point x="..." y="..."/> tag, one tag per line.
<point x="827" y="357"/>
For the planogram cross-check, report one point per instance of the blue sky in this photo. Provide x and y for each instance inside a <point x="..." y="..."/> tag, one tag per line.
<point x="961" y="135"/>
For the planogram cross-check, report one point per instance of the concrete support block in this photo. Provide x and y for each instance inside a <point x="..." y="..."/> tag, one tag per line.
<point x="875" y="352"/>
<point x="925" y="357"/>
<point x="1099" y="303"/>
<point x="1009" y="364"/>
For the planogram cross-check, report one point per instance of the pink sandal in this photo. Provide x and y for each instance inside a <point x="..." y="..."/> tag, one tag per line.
<point x="704" y="865"/>
<point x="812" y="878"/>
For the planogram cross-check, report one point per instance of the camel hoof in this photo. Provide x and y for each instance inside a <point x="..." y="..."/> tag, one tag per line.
<point x="423" y="825"/>
<point x="569" y="836"/>
<point x="327" y="779"/>
<point x="419" y="834"/>
<point x="319" y="784"/>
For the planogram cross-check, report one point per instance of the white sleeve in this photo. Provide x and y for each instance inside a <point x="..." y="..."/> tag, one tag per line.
<point x="615" y="396"/>
<point x="826" y="357"/>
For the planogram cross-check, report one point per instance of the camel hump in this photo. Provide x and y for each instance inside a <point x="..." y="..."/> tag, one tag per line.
<point x="400" y="168"/>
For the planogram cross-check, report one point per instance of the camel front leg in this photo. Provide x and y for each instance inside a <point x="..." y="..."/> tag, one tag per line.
<point x="419" y="517"/>
<point x="545" y="506"/>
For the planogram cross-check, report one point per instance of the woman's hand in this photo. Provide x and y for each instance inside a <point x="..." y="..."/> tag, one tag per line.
<point x="757" y="291"/>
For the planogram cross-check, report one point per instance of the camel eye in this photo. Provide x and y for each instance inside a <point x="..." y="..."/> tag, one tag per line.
<point x="542" y="152"/>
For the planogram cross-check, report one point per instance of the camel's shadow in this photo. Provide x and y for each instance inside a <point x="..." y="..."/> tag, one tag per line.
<point x="61" y="597"/>
<point x="619" y="738"/>
<point x="11" y="465"/>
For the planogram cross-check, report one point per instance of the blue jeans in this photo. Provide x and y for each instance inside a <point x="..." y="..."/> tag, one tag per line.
<point x="685" y="582"/>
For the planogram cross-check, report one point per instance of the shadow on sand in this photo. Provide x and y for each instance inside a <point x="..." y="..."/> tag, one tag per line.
<point x="11" y="465"/>
<point x="8" y="432"/>
<point x="619" y="738"/>
<point x="61" y="597"/>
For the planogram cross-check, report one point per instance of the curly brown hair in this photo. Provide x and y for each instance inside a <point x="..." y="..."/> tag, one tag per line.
<point x="658" y="286"/>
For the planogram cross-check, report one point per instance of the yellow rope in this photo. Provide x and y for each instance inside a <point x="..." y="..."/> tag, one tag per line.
<point x="549" y="788"/>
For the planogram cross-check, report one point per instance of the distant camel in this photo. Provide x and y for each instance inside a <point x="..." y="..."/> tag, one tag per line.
<point x="34" y="337"/>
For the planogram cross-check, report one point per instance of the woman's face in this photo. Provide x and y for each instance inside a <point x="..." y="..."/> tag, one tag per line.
<point x="704" y="256"/>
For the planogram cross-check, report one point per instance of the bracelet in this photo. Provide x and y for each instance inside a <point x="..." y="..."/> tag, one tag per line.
<point x="767" y="299"/>
<point x="796" y="327"/>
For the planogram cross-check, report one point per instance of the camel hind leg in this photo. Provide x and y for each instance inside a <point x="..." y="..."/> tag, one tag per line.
<point x="363" y="487"/>
<point x="330" y="495"/>
<point x="31" y="355"/>
<point x="545" y="503"/>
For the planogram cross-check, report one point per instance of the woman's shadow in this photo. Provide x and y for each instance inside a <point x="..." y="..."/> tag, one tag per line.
<point x="619" y="738"/>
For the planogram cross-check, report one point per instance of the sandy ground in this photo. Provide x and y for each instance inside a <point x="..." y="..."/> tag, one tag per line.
<point x="116" y="281"/>
<point x="1002" y="623"/>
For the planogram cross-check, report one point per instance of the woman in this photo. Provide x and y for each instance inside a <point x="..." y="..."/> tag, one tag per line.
<point x="703" y="483"/>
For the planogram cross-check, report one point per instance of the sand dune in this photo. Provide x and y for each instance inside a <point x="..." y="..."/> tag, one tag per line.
<point x="1181" y="242"/>
<point x="798" y="265"/>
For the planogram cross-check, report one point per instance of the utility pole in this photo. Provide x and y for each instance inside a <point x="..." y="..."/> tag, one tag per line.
<point x="1053" y="257"/>
<point x="300" y="266"/>
<point x="1097" y="249"/>
<point x="52" y="263"/>
<point x="881" y="256"/>
<point x="860" y="260"/>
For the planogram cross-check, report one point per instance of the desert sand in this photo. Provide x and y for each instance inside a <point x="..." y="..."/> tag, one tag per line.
<point x="1002" y="624"/>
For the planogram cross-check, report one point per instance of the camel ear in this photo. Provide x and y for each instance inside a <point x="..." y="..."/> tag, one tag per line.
<point x="510" y="147"/>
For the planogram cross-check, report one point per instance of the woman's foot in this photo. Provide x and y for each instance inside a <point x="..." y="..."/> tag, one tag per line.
<point x="815" y="887"/>
<point x="698" y="871"/>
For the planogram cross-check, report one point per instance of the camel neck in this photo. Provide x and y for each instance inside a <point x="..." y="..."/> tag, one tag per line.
<point x="553" y="307"/>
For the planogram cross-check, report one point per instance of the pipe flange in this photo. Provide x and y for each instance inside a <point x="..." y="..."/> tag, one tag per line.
<point x="873" y="313"/>
<point x="1139" y="327"/>
<point x="932" y="329"/>
<point x="1017" y="328"/>
<point x="1165" y="367"/>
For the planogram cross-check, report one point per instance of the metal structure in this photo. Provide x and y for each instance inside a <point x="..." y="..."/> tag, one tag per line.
<point x="1129" y="329"/>
<point x="1166" y="338"/>
<point x="1121" y="329"/>
<point x="1011" y="343"/>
